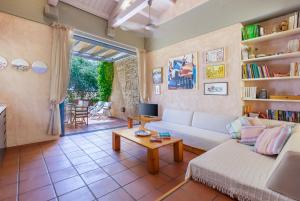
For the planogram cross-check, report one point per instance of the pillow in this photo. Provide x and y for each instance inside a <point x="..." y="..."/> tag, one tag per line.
<point x="249" y="134"/>
<point x="285" y="177"/>
<point x="234" y="128"/>
<point x="272" y="140"/>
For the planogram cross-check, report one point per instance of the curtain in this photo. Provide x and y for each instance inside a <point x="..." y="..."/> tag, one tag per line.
<point x="142" y="75"/>
<point x="59" y="74"/>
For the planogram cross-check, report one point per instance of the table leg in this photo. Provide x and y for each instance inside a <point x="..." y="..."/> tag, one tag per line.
<point x="178" y="151"/>
<point x="153" y="161"/>
<point x="129" y="122"/>
<point x="116" y="142"/>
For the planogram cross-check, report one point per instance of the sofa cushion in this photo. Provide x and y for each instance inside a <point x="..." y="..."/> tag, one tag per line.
<point x="272" y="140"/>
<point x="178" y="117"/>
<point x="212" y="121"/>
<point x="195" y="137"/>
<point x="249" y="134"/>
<point x="285" y="178"/>
<point x="236" y="170"/>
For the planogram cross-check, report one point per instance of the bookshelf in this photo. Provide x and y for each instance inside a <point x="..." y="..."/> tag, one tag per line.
<point x="271" y="72"/>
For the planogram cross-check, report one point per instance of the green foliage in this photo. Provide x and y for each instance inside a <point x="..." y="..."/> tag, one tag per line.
<point x="105" y="80"/>
<point x="83" y="76"/>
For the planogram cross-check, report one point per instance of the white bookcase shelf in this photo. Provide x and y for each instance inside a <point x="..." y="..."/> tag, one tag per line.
<point x="273" y="57"/>
<point x="271" y="100"/>
<point x="272" y="36"/>
<point x="271" y="78"/>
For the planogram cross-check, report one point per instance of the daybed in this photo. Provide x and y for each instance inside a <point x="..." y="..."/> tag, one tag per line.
<point x="197" y="129"/>
<point x="235" y="169"/>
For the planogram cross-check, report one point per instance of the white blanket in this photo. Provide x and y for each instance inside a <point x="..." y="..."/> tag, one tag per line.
<point x="235" y="170"/>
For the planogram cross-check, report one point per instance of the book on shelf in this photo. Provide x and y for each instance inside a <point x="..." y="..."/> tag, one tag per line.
<point x="281" y="115"/>
<point x="250" y="71"/>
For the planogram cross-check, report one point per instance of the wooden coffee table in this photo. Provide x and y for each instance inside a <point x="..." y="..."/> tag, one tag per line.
<point x="153" y="147"/>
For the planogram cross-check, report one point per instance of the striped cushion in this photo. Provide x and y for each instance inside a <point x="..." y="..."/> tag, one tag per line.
<point x="272" y="140"/>
<point x="249" y="134"/>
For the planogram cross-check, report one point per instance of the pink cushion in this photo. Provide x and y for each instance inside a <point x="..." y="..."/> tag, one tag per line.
<point x="272" y="140"/>
<point x="249" y="134"/>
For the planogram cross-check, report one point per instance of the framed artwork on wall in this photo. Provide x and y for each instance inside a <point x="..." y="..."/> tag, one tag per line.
<point x="215" y="55"/>
<point x="157" y="90"/>
<point x="215" y="71"/>
<point x="182" y="72"/>
<point x="157" y="76"/>
<point x="216" y="88"/>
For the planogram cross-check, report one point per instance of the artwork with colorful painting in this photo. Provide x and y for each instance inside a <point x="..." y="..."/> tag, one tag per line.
<point x="182" y="72"/>
<point x="215" y="71"/>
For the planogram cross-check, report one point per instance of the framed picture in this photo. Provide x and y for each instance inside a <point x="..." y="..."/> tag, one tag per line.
<point x="216" y="88"/>
<point x="182" y="72"/>
<point x="215" y="71"/>
<point x="157" y="76"/>
<point x="157" y="90"/>
<point x="215" y="56"/>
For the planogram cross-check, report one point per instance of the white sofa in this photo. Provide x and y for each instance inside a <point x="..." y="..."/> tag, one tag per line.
<point x="197" y="129"/>
<point x="236" y="170"/>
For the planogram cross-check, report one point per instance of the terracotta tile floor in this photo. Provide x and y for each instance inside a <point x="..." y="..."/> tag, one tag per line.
<point x="84" y="167"/>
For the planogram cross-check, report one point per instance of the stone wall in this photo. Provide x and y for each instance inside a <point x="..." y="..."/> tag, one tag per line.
<point x="126" y="90"/>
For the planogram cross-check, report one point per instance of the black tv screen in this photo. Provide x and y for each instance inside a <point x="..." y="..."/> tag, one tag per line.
<point x="146" y="109"/>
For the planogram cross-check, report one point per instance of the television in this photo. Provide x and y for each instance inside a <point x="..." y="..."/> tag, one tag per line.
<point x="149" y="110"/>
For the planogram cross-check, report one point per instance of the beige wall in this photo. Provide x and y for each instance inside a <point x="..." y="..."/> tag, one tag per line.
<point x="25" y="93"/>
<point x="194" y="99"/>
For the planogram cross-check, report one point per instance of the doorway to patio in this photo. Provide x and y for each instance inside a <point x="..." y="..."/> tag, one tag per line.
<point x="88" y="106"/>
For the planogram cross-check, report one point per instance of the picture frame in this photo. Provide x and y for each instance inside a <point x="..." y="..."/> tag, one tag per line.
<point x="157" y="75"/>
<point x="215" y="71"/>
<point x="215" y="55"/>
<point x="182" y="72"/>
<point x="157" y="90"/>
<point x="216" y="88"/>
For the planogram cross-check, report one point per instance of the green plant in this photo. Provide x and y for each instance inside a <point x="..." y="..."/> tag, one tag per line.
<point x="83" y="76"/>
<point x="105" y="80"/>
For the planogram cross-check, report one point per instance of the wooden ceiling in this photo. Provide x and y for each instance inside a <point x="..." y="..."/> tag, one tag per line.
<point x="133" y="15"/>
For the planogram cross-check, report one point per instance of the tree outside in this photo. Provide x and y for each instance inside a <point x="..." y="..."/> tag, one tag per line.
<point x="90" y="80"/>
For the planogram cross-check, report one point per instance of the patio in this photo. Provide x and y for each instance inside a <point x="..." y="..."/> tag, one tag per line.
<point x="95" y="125"/>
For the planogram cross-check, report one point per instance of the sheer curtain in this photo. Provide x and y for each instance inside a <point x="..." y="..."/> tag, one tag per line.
<point x="142" y="73"/>
<point x="59" y="74"/>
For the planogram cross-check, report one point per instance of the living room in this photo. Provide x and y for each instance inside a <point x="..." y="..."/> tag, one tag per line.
<point x="205" y="92"/>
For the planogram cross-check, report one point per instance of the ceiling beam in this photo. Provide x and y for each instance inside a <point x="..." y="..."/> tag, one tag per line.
<point x="120" y="57"/>
<point x="126" y="14"/>
<point x="53" y="2"/>
<point x="86" y="49"/>
<point x="107" y="57"/>
<point x="100" y="51"/>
